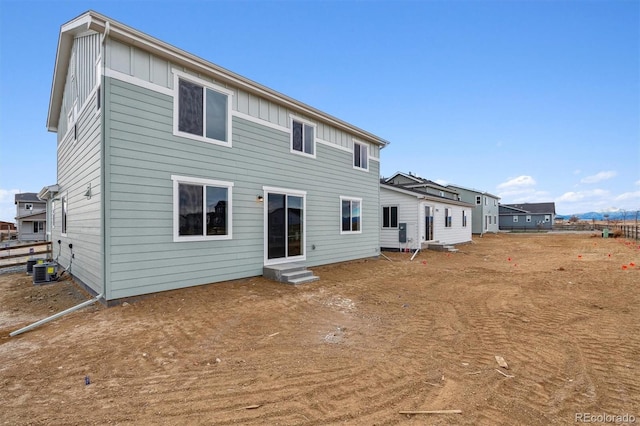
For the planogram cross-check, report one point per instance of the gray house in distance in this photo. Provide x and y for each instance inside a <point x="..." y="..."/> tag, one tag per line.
<point x="527" y="216"/>
<point x="175" y="172"/>
<point x="485" y="211"/>
<point x="31" y="217"/>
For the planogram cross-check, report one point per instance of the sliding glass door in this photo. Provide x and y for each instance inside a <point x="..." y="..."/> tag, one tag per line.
<point x="285" y="227"/>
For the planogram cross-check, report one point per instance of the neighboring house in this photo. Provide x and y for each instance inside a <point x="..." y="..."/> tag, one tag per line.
<point x="175" y="172"/>
<point x="417" y="211"/>
<point x="31" y="217"/>
<point x="485" y="211"/>
<point x="8" y="230"/>
<point x="527" y="216"/>
<point x="48" y="195"/>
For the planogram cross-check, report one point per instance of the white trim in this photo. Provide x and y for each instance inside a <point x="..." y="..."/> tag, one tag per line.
<point x="376" y="159"/>
<point x="345" y="198"/>
<point x="353" y="159"/>
<point x="64" y="214"/>
<point x="382" y="206"/>
<point x="177" y="75"/>
<point x="260" y="121"/>
<point x="176" y="208"/>
<point x="266" y="190"/>
<point x="280" y="190"/>
<point x="333" y="145"/>
<point x="293" y="118"/>
<point x="197" y="80"/>
<point x="117" y="75"/>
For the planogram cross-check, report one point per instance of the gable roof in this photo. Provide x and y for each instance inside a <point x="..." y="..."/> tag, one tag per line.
<point x="419" y="182"/>
<point x="27" y="197"/>
<point x="535" y="208"/>
<point x="93" y="21"/>
<point x="478" y="191"/>
<point x="421" y="195"/>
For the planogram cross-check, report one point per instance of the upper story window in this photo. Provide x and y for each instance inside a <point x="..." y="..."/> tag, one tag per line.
<point x="515" y="218"/>
<point x="547" y="218"/>
<point x="28" y="206"/>
<point x="201" y="209"/>
<point x="486" y="201"/>
<point x="389" y="217"/>
<point x="303" y="140"/>
<point x="351" y="215"/>
<point x="528" y="218"/>
<point x="360" y="155"/>
<point x="201" y="110"/>
<point x="478" y="199"/>
<point x="495" y="202"/>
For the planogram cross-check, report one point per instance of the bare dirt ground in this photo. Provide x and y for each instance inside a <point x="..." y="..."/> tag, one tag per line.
<point x="370" y="339"/>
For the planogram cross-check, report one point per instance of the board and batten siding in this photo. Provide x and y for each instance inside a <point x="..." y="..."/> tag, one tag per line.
<point x="79" y="167"/>
<point x="81" y="79"/>
<point x="142" y="154"/>
<point x="137" y="64"/>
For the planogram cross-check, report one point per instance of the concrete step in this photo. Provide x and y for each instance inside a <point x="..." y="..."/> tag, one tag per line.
<point x="442" y="247"/>
<point x="288" y="276"/>
<point x="303" y="280"/>
<point x="290" y="273"/>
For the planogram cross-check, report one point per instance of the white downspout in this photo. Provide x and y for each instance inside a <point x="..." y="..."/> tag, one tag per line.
<point x="55" y="316"/>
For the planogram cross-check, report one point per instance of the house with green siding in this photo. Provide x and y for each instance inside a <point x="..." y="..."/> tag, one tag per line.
<point x="175" y="172"/>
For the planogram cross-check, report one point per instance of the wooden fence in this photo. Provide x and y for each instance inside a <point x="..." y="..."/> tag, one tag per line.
<point x="631" y="232"/>
<point x="18" y="254"/>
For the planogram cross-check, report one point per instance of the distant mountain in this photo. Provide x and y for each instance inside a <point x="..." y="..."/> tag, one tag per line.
<point x="618" y="215"/>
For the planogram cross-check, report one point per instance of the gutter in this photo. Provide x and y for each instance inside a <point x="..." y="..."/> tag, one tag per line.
<point x="55" y="316"/>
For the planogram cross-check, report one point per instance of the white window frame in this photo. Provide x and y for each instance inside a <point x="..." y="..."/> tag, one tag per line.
<point x="304" y="122"/>
<point x="515" y="218"/>
<point x="478" y="200"/>
<point x="448" y="219"/>
<point x="179" y="75"/>
<point x="64" y="213"/>
<point x="286" y="192"/>
<point x="351" y="199"/>
<point x="389" y="206"/>
<point x="177" y="180"/>
<point x="528" y="218"/>
<point x="486" y="201"/>
<point x="364" y="146"/>
<point x="28" y="206"/>
<point x="547" y="218"/>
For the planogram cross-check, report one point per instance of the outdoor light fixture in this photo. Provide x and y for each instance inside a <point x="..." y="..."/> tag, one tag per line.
<point x="260" y="198"/>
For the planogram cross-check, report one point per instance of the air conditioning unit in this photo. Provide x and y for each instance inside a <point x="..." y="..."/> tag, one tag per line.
<point x="45" y="273"/>
<point x="31" y="263"/>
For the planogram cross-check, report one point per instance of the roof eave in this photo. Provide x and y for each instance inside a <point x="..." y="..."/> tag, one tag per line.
<point x="97" y="22"/>
<point x="65" y="42"/>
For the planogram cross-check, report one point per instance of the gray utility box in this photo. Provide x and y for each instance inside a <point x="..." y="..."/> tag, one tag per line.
<point x="402" y="232"/>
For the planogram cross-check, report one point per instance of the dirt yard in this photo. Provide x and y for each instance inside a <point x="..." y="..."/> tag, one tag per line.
<point x="372" y="338"/>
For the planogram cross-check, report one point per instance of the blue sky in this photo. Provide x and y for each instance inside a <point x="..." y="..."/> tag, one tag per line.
<point x="534" y="101"/>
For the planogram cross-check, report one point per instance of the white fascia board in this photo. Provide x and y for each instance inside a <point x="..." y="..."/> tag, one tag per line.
<point x="65" y="44"/>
